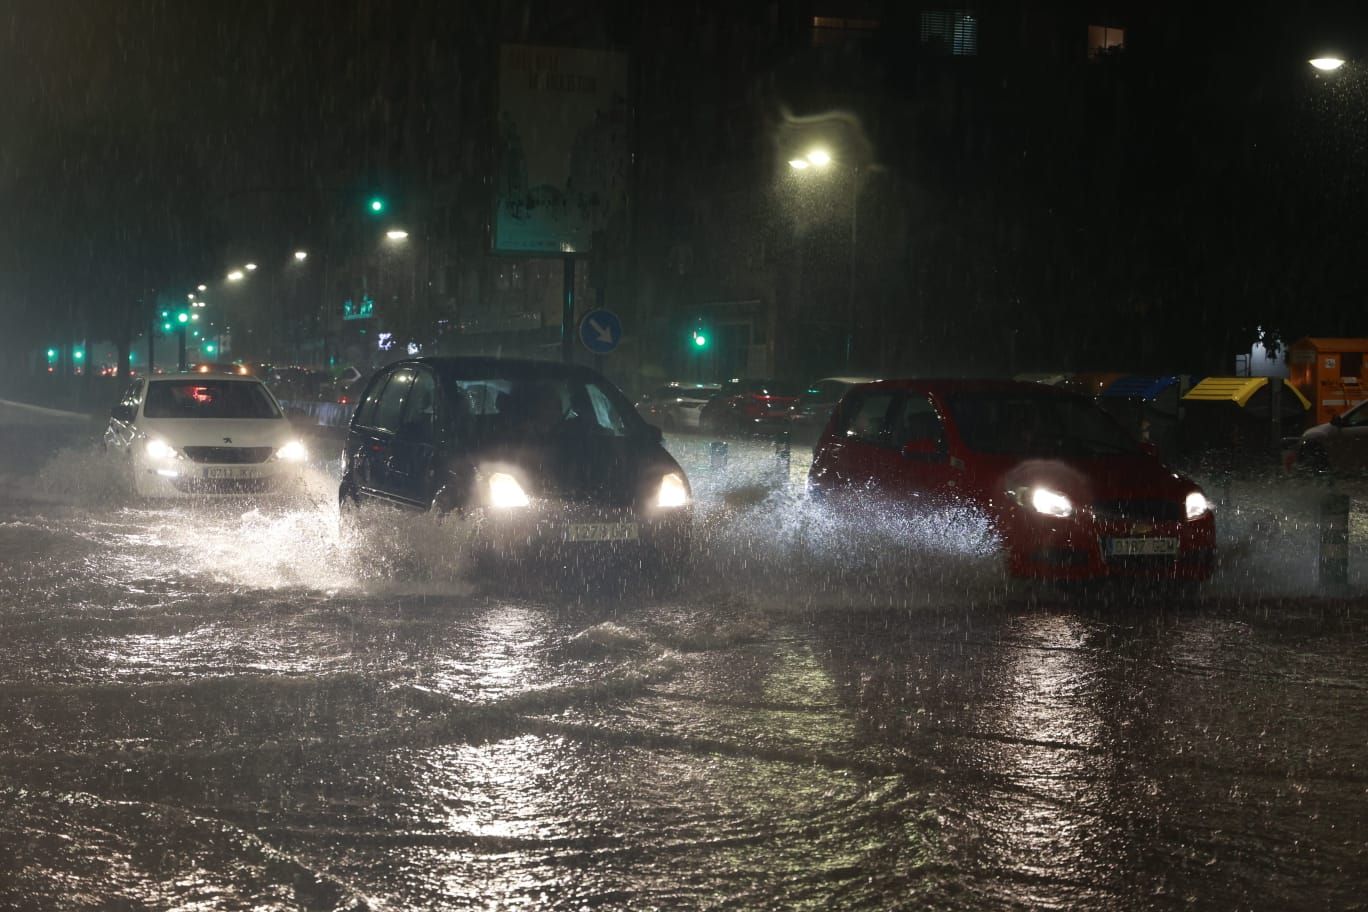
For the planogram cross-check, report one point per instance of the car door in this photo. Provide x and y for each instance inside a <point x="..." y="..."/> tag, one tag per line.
<point x="373" y="433"/>
<point x="411" y="467"/>
<point x="1352" y="445"/>
<point x="855" y="457"/>
<point x="919" y="464"/>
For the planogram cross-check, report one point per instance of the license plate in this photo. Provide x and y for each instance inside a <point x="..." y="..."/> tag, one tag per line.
<point x="1142" y="547"/>
<point x="623" y="531"/>
<point x="229" y="472"/>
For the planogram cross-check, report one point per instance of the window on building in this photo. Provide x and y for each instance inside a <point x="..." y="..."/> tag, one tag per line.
<point x="829" y="30"/>
<point x="1105" y="41"/>
<point x="953" y="32"/>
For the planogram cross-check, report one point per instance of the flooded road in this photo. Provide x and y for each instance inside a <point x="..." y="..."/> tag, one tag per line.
<point x="227" y="707"/>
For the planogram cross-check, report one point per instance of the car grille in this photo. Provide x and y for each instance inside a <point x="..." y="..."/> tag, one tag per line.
<point x="228" y="455"/>
<point x="1139" y="510"/>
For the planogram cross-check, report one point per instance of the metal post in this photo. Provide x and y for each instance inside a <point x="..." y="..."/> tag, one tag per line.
<point x="717" y="455"/>
<point x="1334" y="542"/>
<point x="568" y="311"/>
<point x="783" y="452"/>
<point x="180" y="349"/>
<point x="854" y="237"/>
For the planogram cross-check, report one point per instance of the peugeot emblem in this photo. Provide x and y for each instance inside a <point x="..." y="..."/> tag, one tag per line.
<point x="227" y="439"/>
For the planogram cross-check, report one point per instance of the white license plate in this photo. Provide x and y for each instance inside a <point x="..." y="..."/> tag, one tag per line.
<point x="623" y="531"/>
<point x="230" y="472"/>
<point x="1142" y="547"/>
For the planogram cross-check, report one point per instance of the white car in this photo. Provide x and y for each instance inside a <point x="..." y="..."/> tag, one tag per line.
<point x="195" y="435"/>
<point x="677" y="405"/>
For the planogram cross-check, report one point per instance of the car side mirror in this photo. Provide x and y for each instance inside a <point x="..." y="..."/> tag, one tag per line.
<point x="1337" y="420"/>
<point x="122" y="412"/>
<point x="925" y="449"/>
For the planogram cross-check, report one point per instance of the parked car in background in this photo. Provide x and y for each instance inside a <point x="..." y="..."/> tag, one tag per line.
<point x="346" y="385"/>
<point x="1070" y="493"/>
<point x="677" y="406"/>
<point x="816" y="403"/>
<point x="1339" y="446"/>
<point x="195" y="434"/>
<point x="542" y="459"/>
<point x="749" y="405"/>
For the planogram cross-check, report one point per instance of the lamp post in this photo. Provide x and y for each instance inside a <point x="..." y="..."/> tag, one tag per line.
<point x="817" y="161"/>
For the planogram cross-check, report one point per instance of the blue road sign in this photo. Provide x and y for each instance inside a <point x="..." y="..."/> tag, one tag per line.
<point x="600" y="331"/>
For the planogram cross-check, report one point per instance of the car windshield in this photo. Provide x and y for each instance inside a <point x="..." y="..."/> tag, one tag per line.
<point x="539" y="409"/>
<point x="209" y="399"/>
<point x="1022" y="424"/>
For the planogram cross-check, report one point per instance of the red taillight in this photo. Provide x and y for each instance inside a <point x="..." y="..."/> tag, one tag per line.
<point x="343" y="400"/>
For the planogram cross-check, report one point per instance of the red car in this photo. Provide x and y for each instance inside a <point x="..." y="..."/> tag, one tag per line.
<point x="750" y="405"/>
<point x="1072" y="495"/>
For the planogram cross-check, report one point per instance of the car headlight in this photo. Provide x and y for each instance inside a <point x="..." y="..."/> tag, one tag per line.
<point x="1196" y="504"/>
<point x="294" y="451"/>
<point x="673" y="491"/>
<point x="505" y="492"/>
<point x="159" y="449"/>
<point x="1051" y="503"/>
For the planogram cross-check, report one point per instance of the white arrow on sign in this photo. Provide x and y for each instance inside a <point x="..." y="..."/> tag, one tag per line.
<point x="605" y="335"/>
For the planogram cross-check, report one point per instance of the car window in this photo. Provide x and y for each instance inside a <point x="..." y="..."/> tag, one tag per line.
<point x="365" y="412"/>
<point x="1357" y="417"/>
<point x="390" y="408"/>
<point x="867" y="419"/>
<point x="209" y="399"/>
<point x="1023" y="424"/>
<point x="915" y="418"/>
<point x="606" y="415"/>
<point x="420" y="409"/>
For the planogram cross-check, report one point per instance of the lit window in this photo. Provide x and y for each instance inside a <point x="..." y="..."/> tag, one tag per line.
<point x="1104" y="41"/>
<point x="950" y="32"/>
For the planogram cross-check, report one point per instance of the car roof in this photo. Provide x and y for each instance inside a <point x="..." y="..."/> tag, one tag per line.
<point x="207" y="375"/>
<point x="846" y="380"/>
<point x="949" y="386"/>
<point x="475" y="368"/>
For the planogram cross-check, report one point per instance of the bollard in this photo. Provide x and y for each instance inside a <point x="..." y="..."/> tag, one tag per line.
<point x="1334" y="541"/>
<point x="717" y="455"/>
<point x="782" y="453"/>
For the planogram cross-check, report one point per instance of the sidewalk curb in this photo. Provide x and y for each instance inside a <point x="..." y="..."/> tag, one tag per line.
<point x="56" y="413"/>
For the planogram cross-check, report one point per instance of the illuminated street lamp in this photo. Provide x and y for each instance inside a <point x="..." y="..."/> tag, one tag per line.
<point x="250" y="267"/>
<point x="819" y="158"/>
<point x="301" y="255"/>
<point x="396" y="234"/>
<point x="201" y="287"/>
<point x="236" y="275"/>
<point x="1326" y="64"/>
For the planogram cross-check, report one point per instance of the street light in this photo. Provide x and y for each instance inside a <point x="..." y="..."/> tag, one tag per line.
<point x="201" y="287"/>
<point x="236" y="275"/>
<point x="1326" y="64"/>
<point x="250" y="267"/>
<point x="396" y="234"/>
<point x="301" y="255"/>
<point x="819" y="158"/>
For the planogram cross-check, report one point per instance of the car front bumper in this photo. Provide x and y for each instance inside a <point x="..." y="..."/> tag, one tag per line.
<point x="1086" y="548"/>
<point x="562" y="532"/>
<point x="183" y="478"/>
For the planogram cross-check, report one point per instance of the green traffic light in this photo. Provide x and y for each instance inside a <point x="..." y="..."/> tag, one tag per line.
<point x="700" y="339"/>
<point x="166" y="327"/>
<point x="376" y="204"/>
<point x="183" y="317"/>
<point x="77" y="354"/>
<point x="52" y="353"/>
<point x="209" y="348"/>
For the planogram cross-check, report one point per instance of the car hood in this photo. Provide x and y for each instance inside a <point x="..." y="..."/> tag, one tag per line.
<point x="1088" y="480"/>
<point x="217" y="432"/>
<point x="1320" y="432"/>
<point x="613" y="471"/>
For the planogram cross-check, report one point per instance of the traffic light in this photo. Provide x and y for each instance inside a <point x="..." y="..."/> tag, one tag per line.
<point x="78" y="354"/>
<point x="376" y="205"/>
<point x="209" y="348"/>
<point x="700" y="339"/>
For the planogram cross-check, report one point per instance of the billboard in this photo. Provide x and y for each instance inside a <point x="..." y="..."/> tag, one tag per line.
<point x="563" y="153"/>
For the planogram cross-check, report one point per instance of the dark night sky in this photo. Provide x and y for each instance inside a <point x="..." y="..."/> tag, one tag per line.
<point x="137" y="132"/>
